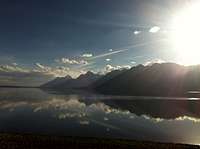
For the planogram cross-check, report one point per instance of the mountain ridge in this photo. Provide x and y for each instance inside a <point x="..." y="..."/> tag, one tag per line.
<point x="82" y="81"/>
<point x="165" y="79"/>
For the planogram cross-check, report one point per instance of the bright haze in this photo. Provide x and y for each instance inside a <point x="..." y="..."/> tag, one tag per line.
<point x="44" y="39"/>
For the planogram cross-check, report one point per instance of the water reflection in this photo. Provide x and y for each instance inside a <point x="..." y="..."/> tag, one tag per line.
<point x="36" y="111"/>
<point x="166" y="109"/>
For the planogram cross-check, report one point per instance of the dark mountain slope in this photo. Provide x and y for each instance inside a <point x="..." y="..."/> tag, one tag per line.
<point x="167" y="79"/>
<point x="109" y="76"/>
<point x="82" y="81"/>
<point x="56" y="82"/>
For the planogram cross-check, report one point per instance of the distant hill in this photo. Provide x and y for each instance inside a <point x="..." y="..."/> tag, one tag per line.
<point x="166" y="79"/>
<point x="82" y="81"/>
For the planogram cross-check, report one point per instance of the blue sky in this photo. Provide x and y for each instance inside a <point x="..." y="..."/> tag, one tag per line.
<point x="50" y="32"/>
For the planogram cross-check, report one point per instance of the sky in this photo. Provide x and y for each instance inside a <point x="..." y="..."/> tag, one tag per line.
<point x="43" y="39"/>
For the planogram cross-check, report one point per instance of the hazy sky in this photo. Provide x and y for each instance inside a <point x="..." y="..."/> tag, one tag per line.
<point x="59" y="37"/>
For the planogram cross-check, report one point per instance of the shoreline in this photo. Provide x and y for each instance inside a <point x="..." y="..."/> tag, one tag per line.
<point x="184" y="96"/>
<point x="29" y="141"/>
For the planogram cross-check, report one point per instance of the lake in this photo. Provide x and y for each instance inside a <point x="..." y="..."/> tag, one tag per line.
<point x="78" y="113"/>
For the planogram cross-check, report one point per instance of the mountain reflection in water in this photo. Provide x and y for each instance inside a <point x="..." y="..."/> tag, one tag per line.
<point x="91" y="115"/>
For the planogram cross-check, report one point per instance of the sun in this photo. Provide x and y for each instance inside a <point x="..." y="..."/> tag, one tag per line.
<point x="186" y="35"/>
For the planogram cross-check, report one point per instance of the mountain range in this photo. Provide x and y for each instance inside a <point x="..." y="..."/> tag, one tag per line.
<point x="83" y="81"/>
<point x="166" y="79"/>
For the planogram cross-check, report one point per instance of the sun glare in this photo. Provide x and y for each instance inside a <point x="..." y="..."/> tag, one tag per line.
<point x="186" y="35"/>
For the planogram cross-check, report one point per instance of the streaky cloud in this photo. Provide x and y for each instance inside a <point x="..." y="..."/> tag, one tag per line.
<point x="72" y="61"/>
<point x="124" y="49"/>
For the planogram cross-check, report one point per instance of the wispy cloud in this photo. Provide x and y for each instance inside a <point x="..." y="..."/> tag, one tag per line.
<point x="109" y="68"/>
<point x="154" y="29"/>
<point x="109" y="53"/>
<point x="86" y="55"/>
<point x="133" y="62"/>
<point x="108" y="59"/>
<point x="149" y="63"/>
<point x="124" y="49"/>
<point x="12" y="68"/>
<point x="71" y="61"/>
<point x="14" y="64"/>
<point x="136" y="32"/>
<point x="16" y="75"/>
<point x="41" y="66"/>
<point x="58" y="71"/>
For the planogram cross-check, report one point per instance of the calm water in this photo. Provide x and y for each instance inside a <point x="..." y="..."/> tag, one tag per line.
<point x="86" y="114"/>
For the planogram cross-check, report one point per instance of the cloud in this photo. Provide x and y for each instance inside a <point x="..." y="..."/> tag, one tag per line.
<point x="108" y="59"/>
<point x="14" y="75"/>
<point x="136" y="32"/>
<point x="149" y="63"/>
<point x="124" y="49"/>
<point x="154" y="29"/>
<point x="17" y="76"/>
<point x="68" y="61"/>
<point x="58" y="71"/>
<point x="133" y="62"/>
<point x="41" y="66"/>
<point x="72" y="61"/>
<point x="183" y="118"/>
<point x="12" y="68"/>
<point x="14" y="64"/>
<point x="109" y="68"/>
<point x="109" y="53"/>
<point x="87" y="55"/>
